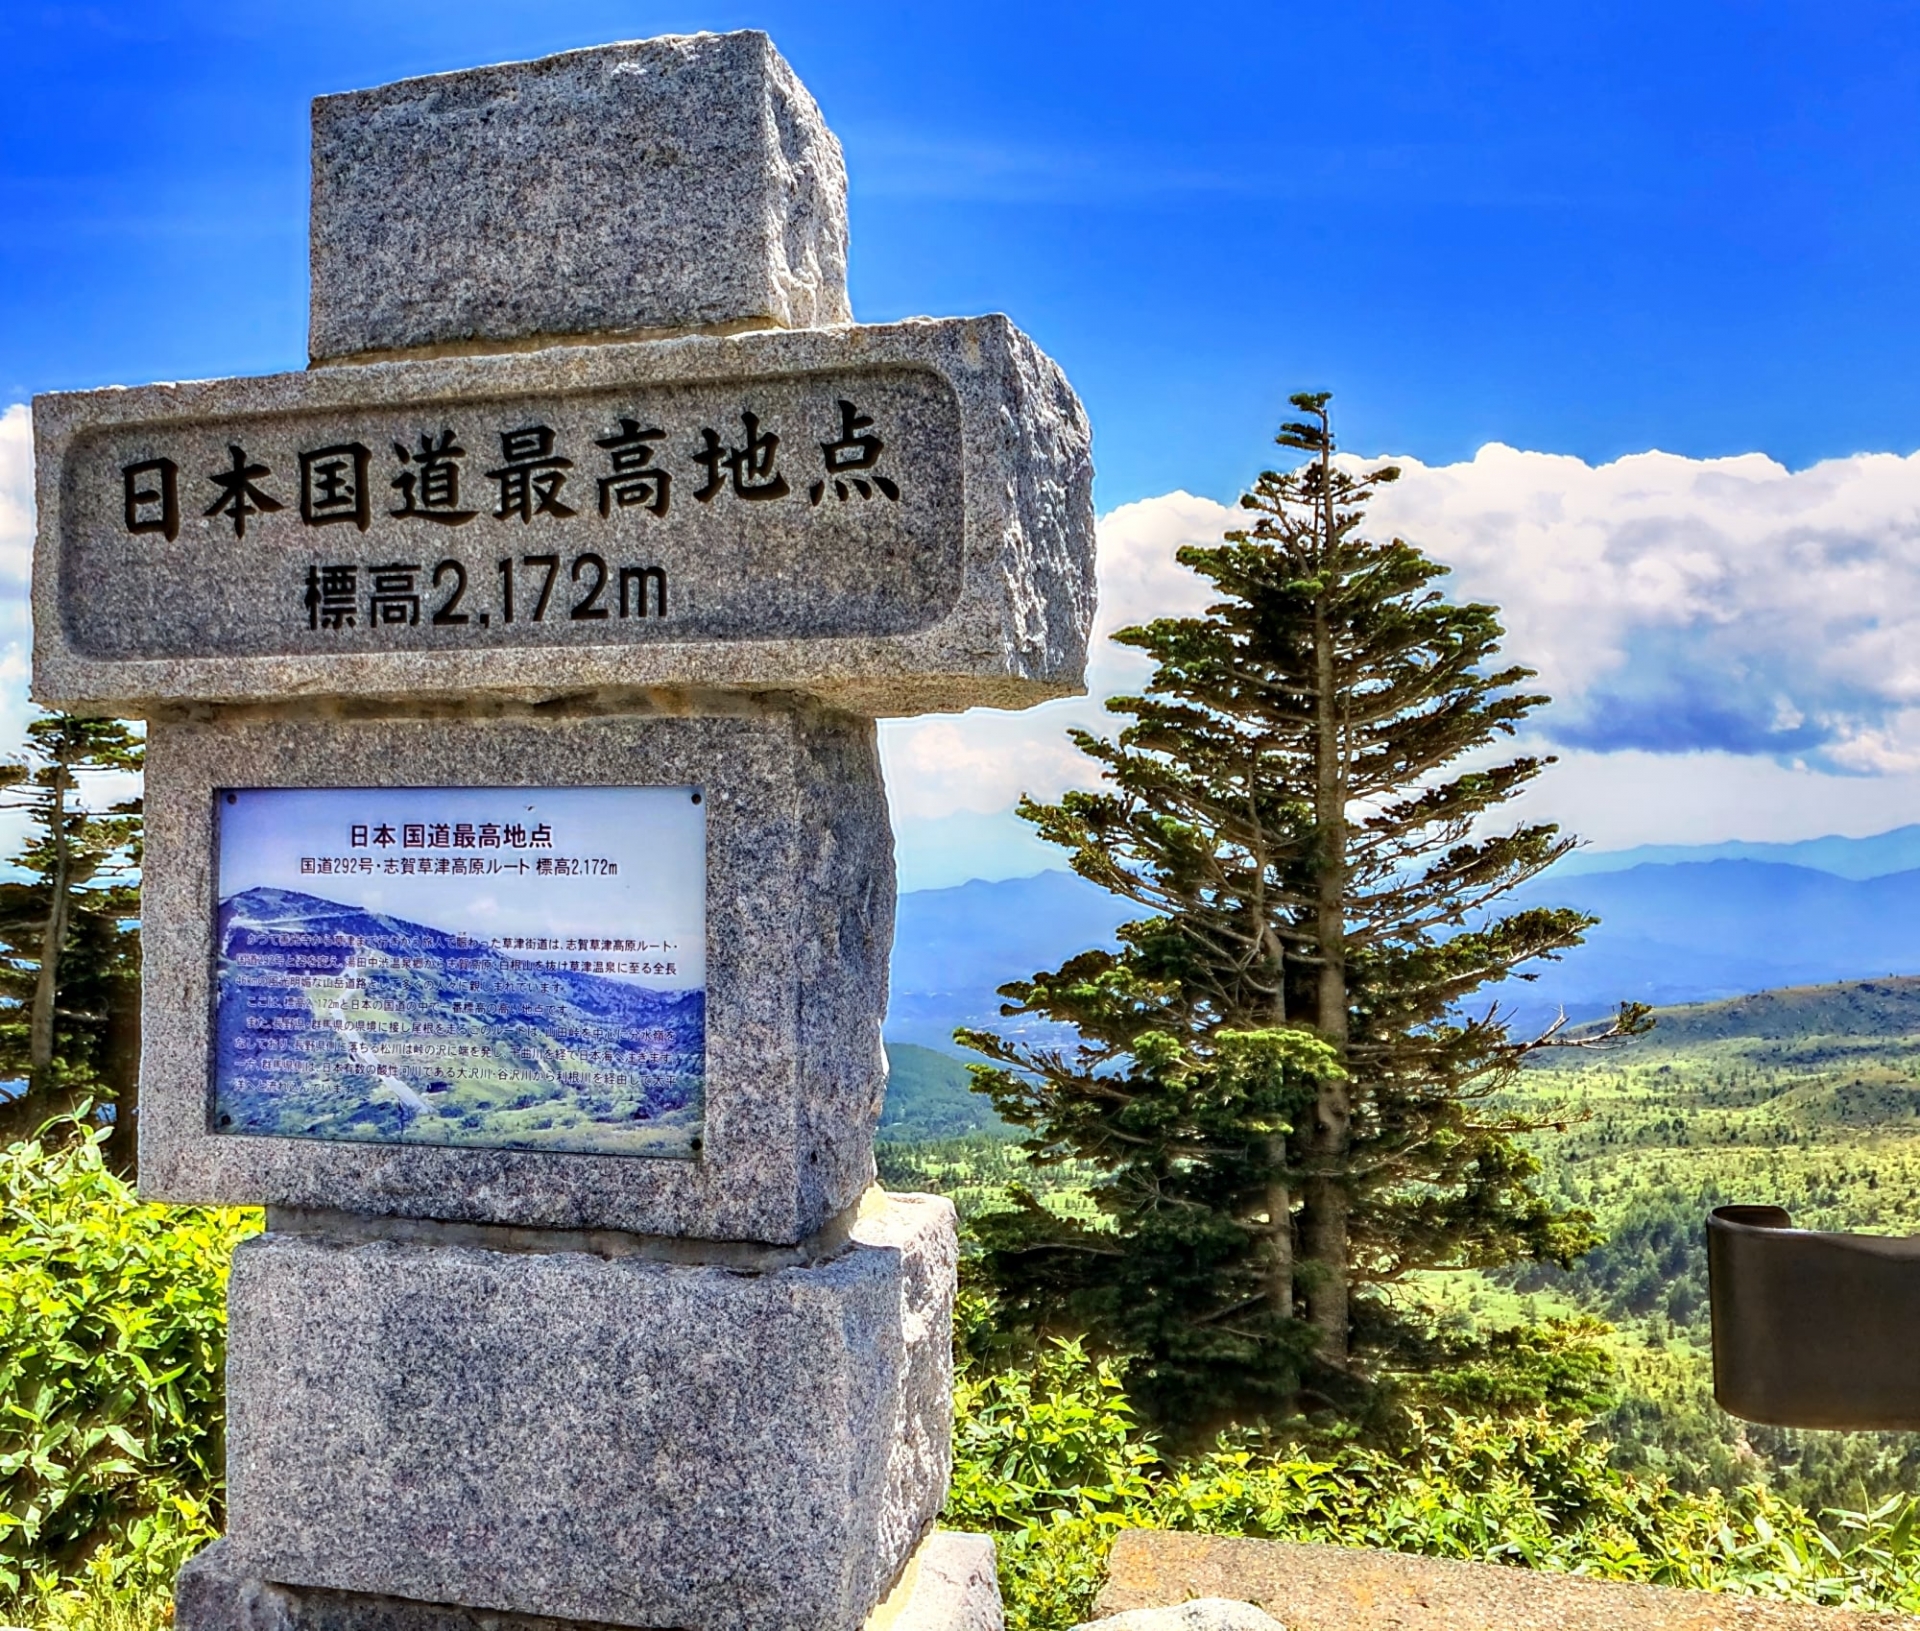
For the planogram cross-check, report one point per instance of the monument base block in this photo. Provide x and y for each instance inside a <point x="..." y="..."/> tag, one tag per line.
<point x="591" y="1438"/>
<point x="948" y="1585"/>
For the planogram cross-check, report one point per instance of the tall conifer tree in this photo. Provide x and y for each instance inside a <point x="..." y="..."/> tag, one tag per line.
<point x="1277" y="1075"/>
<point x="69" y="934"/>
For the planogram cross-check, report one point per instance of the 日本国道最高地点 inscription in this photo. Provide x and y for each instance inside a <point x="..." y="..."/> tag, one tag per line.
<point x="886" y="517"/>
<point x="649" y="515"/>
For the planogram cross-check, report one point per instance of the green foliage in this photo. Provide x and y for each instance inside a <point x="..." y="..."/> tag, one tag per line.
<point x="1052" y="1460"/>
<point x="1753" y="1099"/>
<point x="103" y="1598"/>
<point x="110" y="1357"/>
<point x="1167" y="1272"/>
<point x="112" y="1338"/>
<point x="930" y="1096"/>
<point x="1562" y="1369"/>
<point x="983" y="1173"/>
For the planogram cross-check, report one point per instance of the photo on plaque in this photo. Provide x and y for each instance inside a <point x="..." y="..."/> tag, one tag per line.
<point x="501" y="968"/>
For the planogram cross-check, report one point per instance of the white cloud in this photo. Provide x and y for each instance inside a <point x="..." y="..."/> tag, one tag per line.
<point x="1733" y="648"/>
<point x="1616" y="800"/>
<point x="1695" y="605"/>
<point x="16" y="495"/>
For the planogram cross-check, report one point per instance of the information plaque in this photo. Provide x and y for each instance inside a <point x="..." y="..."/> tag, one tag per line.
<point x="502" y="967"/>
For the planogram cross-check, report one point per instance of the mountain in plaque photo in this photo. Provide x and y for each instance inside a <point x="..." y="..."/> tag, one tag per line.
<point x="340" y="1023"/>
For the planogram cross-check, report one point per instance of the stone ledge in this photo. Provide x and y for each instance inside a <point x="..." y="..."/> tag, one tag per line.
<point x="949" y="1585"/>
<point x="1339" y="1588"/>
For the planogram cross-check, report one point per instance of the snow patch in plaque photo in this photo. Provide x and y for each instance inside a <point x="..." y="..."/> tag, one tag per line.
<point x="501" y="968"/>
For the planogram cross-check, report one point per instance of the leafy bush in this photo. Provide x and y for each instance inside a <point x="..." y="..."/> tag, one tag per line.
<point x="1052" y="1461"/>
<point x="111" y="1345"/>
<point x="112" y="1341"/>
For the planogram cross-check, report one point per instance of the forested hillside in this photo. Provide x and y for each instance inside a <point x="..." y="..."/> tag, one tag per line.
<point x="1805" y="1097"/>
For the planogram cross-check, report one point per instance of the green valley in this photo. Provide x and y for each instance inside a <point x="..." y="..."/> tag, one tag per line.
<point x="1807" y="1098"/>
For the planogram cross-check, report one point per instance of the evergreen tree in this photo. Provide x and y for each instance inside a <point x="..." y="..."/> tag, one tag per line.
<point x="1276" y="1076"/>
<point x="69" y="935"/>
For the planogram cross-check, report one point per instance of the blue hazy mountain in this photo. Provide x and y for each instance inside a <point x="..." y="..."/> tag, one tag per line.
<point x="952" y="948"/>
<point x="1873" y="857"/>
<point x="336" y="1022"/>
<point x="1694" y="931"/>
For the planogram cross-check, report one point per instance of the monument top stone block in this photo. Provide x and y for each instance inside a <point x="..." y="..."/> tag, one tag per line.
<point x="685" y="182"/>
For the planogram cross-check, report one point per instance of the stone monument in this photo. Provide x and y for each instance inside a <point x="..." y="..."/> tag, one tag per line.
<point x="519" y="885"/>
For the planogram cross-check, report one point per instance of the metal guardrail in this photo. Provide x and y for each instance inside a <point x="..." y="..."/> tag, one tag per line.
<point x="1813" y="1330"/>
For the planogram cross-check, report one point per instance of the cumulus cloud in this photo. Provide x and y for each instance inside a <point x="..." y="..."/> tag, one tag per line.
<point x="1671" y="605"/>
<point x="16" y="494"/>
<point x="1733" y="648"/>
<point x="1695" y="605"/>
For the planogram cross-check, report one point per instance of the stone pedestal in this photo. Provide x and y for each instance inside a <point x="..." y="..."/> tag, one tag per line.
<point x="608" y="1439"/>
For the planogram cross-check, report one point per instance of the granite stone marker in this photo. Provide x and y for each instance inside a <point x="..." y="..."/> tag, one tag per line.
<point x="665" y="184"/>
<point x="519" y="884"/>
<point x="892" y="519"/>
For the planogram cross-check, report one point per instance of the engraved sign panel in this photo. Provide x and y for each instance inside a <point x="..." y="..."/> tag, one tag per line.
<point x="812" y="505"/>
<point x="487" y="967"/>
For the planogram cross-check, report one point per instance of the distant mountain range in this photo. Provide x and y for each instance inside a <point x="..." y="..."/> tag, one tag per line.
<point x="1875" y="857"/>
<point x="1843" y="1031"/>
<point x="952" y="948"/>
<point x="1695" y="926"/>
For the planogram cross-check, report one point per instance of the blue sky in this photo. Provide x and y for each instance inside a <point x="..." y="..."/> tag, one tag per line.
<point x="1591" y="229"/>
<point x="1581" y="232"/>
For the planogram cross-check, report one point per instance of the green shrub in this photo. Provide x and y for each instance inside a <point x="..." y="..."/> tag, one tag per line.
<point x="112" y="1340"/>
<point x="1050" y="1460"/>
<point x="111" y="1343"/>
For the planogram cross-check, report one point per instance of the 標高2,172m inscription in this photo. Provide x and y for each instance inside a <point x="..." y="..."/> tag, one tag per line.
<point x="816" y="505"/>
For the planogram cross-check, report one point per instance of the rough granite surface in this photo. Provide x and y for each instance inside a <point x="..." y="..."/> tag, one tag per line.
<point x="971" y="584"/>
<point x="590" y="1439"/>
<point x="1200" y="1614"/>
<point x="949" y="1586"/>
<point x="799" y="923"/>
<point x="664" y="183"/>
<point x="1339" y="1588"/>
